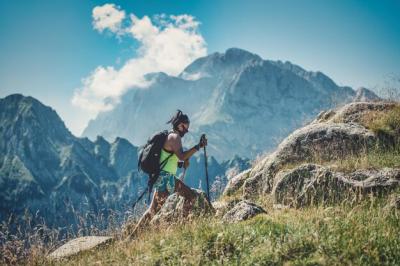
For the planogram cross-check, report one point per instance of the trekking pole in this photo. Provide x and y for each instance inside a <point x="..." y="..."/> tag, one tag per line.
<point x="205" y="162"/>
<point x="182" y="178"/>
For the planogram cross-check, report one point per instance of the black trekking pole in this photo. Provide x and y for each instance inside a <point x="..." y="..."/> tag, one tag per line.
<point x="205" y="162"/>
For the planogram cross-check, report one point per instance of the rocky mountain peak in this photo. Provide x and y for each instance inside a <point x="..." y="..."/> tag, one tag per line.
<point x="24" y="116"/>
<point x="365" y="95"/>
<point x="219" y="63"/>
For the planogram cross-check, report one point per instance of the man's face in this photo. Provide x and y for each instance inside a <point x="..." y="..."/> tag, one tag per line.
<point x="183" y="128"/>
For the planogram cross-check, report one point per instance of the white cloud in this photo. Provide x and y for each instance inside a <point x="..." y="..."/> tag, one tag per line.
<point x="108" y="16"/>
<point x="166" y="44"/>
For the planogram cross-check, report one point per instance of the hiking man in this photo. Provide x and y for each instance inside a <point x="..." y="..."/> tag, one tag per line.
<point x="167" y="182"/>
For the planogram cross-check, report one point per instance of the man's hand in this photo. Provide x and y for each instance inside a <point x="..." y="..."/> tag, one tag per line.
<point x="186" y="164"/>
<point x="203" y="141"/>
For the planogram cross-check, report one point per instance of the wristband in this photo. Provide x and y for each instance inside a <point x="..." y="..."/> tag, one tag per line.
<point x="197" y="147"/>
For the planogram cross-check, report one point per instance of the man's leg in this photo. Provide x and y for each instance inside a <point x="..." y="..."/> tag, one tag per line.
<point x="156" y="204"/>
<point x="184" y="190"/>
<point x="187" y="193"/>
<point x="190" y="196"/>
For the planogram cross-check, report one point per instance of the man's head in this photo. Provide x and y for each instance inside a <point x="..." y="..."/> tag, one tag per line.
<point x="180" y="122"/>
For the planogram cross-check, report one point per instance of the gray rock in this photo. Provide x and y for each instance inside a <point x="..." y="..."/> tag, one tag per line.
<point x="353" y="112"/>
<point x="80" y="244"/>
<point x="242" y="211"/>
<point x="322" y="141"/>
<point x="173" y="210"/>
<point x="314" y="184"/>
<point x="222" y="207"/>
<point x="332" y="135"/>
<point x="236" y="182"/>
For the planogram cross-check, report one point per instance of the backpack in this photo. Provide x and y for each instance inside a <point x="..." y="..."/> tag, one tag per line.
<point x="149" y="159"/>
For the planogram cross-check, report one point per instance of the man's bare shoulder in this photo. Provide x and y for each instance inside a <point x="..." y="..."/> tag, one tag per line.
<point x="173" y="136"/>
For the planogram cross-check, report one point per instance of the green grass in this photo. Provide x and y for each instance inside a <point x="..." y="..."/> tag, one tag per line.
<point x="384" y="122"/>
<point x="339" y="235"/>
<point x="373" y="160"/>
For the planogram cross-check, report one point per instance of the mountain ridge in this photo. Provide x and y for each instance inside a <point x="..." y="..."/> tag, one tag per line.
<point x="243" y="102"/>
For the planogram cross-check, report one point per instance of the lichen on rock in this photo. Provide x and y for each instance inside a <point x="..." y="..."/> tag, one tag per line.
<point x="242" y="211"/>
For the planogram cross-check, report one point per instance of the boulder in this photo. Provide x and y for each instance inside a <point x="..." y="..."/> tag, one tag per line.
<point x="174" y="209"/>
<point x="223" y="206"/>
<point x="242" y="211"/>
<point x="80" y="244"/>
<point x="314" y="184"/>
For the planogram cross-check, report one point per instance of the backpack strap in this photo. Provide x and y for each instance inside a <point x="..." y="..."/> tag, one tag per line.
<point x="164" y="163"/>
<point x="150" y="186"/>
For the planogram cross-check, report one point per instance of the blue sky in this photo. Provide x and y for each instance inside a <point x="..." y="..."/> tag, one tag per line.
<point x="47" y="48"/>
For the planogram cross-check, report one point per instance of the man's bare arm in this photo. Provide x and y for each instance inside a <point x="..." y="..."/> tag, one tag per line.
<point x="176" y="144"/>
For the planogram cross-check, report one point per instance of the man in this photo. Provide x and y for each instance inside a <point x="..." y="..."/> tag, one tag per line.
<point x="167" y="182"/>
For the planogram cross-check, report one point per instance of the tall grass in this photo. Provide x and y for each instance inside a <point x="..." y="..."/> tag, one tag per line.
<point x="27" y="239"/>
<point x="338" y="235"/>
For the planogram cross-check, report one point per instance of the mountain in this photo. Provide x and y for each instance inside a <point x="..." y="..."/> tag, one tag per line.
<point x="58" y="178"/>
<point x="243" y="103"/>
<point x="365" y="95"/>
<point x="50" y="172"/>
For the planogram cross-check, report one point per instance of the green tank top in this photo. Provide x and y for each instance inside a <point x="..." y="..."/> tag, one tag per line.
<point x="172" y="163"/>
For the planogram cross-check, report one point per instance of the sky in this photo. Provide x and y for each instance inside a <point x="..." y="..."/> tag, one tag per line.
<point x="80" y="57"/>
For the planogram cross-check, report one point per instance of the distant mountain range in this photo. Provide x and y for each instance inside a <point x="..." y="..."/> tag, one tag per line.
<point x="58" y="177"/>
<point x="243" y="103"/>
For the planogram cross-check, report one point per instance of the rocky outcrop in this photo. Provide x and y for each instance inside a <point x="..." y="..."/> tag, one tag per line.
<point x="322" y="141"/>
<point x="334" y="134"/>
<point x="236" y="182"/>
<point x="314" y="184"/>
<point x="353" y="112"/>
<point x="176" y="209"/>
<point x="242" y="211"/>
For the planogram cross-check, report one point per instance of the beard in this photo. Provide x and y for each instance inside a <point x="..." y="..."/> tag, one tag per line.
<point x="182" y="133"/>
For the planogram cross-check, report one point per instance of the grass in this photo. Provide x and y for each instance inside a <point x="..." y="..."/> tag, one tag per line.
<point x="372" y="160"/>
<point x="386" y="125"/>
<point x="338" y="235"/>
<point x="384" y="122"/>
